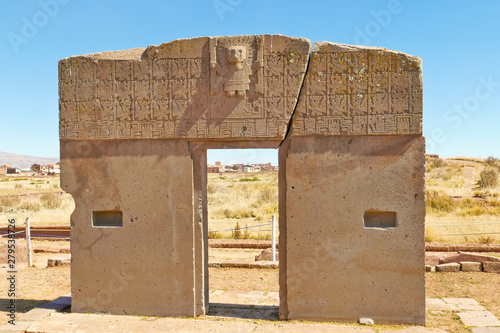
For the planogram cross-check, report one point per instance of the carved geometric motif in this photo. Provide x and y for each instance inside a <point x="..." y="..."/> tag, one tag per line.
<point x="367" y="91"/>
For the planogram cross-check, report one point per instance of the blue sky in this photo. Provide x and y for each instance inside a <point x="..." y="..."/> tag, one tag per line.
<point x="458" y="41"/>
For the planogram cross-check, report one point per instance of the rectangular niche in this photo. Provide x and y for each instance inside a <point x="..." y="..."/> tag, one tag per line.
<point x="107" y="218"/>
<point x="379" y="219"/>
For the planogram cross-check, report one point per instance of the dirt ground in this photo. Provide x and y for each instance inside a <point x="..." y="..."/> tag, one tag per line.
<point x="483" y="287"/>
<point x="34" y="286"/>
<point x="232" y="254"/>
<point x="38" y="285"/>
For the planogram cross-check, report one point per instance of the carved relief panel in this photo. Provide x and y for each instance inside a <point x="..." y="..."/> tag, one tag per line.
<point x="360" y="90"/>
<point x="240" y="87"/>
<point x="218" y="87"/>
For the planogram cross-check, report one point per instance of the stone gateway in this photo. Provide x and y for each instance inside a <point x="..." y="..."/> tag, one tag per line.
<point x="135" y="126"/>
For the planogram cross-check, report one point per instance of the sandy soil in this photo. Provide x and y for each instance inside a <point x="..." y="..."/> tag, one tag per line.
<point x="34" y="286"/>
<point x="232" y="254"/>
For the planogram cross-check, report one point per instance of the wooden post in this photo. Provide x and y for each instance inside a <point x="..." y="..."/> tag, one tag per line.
<point x="28" y="242"/>
<point x="273" y="250"/>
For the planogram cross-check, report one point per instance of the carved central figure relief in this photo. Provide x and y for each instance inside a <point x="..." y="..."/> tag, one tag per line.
<point x="238" y="81"/>
<point x="231" y="69"/>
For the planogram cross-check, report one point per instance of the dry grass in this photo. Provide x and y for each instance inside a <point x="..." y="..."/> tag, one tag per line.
<point x="246" y="199"/>
<point x="21" y="186"/>
<point x="445" y="177"/>
<point x="40" y="199"/>
<point x="458" y="210"/>
<point x="488" y="178"/>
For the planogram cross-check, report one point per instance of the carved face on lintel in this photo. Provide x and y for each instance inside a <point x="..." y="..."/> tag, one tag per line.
<point x="236" y="53"/>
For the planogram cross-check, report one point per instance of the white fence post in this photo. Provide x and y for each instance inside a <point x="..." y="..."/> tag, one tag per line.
<point x="28" y="241"/>
<point x="273" y="251"/>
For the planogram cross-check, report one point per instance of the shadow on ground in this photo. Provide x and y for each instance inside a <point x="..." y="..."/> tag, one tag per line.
<point x="243" y="311"/>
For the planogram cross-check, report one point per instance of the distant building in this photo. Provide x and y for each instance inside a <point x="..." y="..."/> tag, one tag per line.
<point x="52" y="166"/>
<point x="240" y="167"/>
<point x="212" y="169"/>
<point x="247" y="168"/>
<point x="13" y="171"/>
<point x="36" y="167"/>
<point x="54" y="171"/>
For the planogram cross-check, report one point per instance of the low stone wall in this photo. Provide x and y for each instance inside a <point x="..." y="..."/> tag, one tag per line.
<point x="466" y="266"/>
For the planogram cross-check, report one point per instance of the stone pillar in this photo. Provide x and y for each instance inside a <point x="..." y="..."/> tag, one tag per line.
<point x="132" y="230"/>
<point x="355" y="232"/>
<point x="353" y="190"/>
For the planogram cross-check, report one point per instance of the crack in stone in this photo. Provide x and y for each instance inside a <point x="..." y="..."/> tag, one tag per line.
<point x="289" y="127"/>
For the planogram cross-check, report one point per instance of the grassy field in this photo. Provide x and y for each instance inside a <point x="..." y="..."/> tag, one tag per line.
<point x="40" y="199"/>
<point x="244" y="200"/>
<point x="462" y="200"/>
<point x="461" y="206"/>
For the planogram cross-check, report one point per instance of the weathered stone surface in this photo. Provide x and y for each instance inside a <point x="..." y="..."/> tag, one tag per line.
<point x="135" y="126"/>
<point x="366" y="321"/>
<point x="267" y="255"/>
<point x="485" y="329"/>
<point x="491" y="267"/>
<point x="331" y="258"/>
<point x="428" y="268"/>
<point x="146" y="266"/>
<point x="356" y="90"/>
<point x="436" y="304"/>
<point x="478" y="319"/>
<point x="468" y="266"/>
<point x="464" y="256"/>
<point x="209" y="87"/>
<point x="468" y="304"/>
<point x="451" y="267"/>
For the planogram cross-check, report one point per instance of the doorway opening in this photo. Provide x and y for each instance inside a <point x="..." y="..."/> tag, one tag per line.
<point x="242" y="208"/>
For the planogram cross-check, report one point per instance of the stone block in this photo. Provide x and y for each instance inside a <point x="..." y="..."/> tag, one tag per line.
<point x="371" y="270"/>
<point x="436" y="304"/>
<point x="445" y="268"/>
<point x="365" y="95"/>
<point x="467" y="304"/>
<point x="113" y="266"/>
<point x="485" y="329"/>
<point x="491" y="267"/>
<point x="478" y="319"/>
<point x="267" y="255"/>
<point x="471" y="266"/>
<point x="366" y="321"/>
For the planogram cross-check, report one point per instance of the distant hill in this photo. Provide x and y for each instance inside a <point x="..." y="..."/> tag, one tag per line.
<point x="24" y="161"/>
